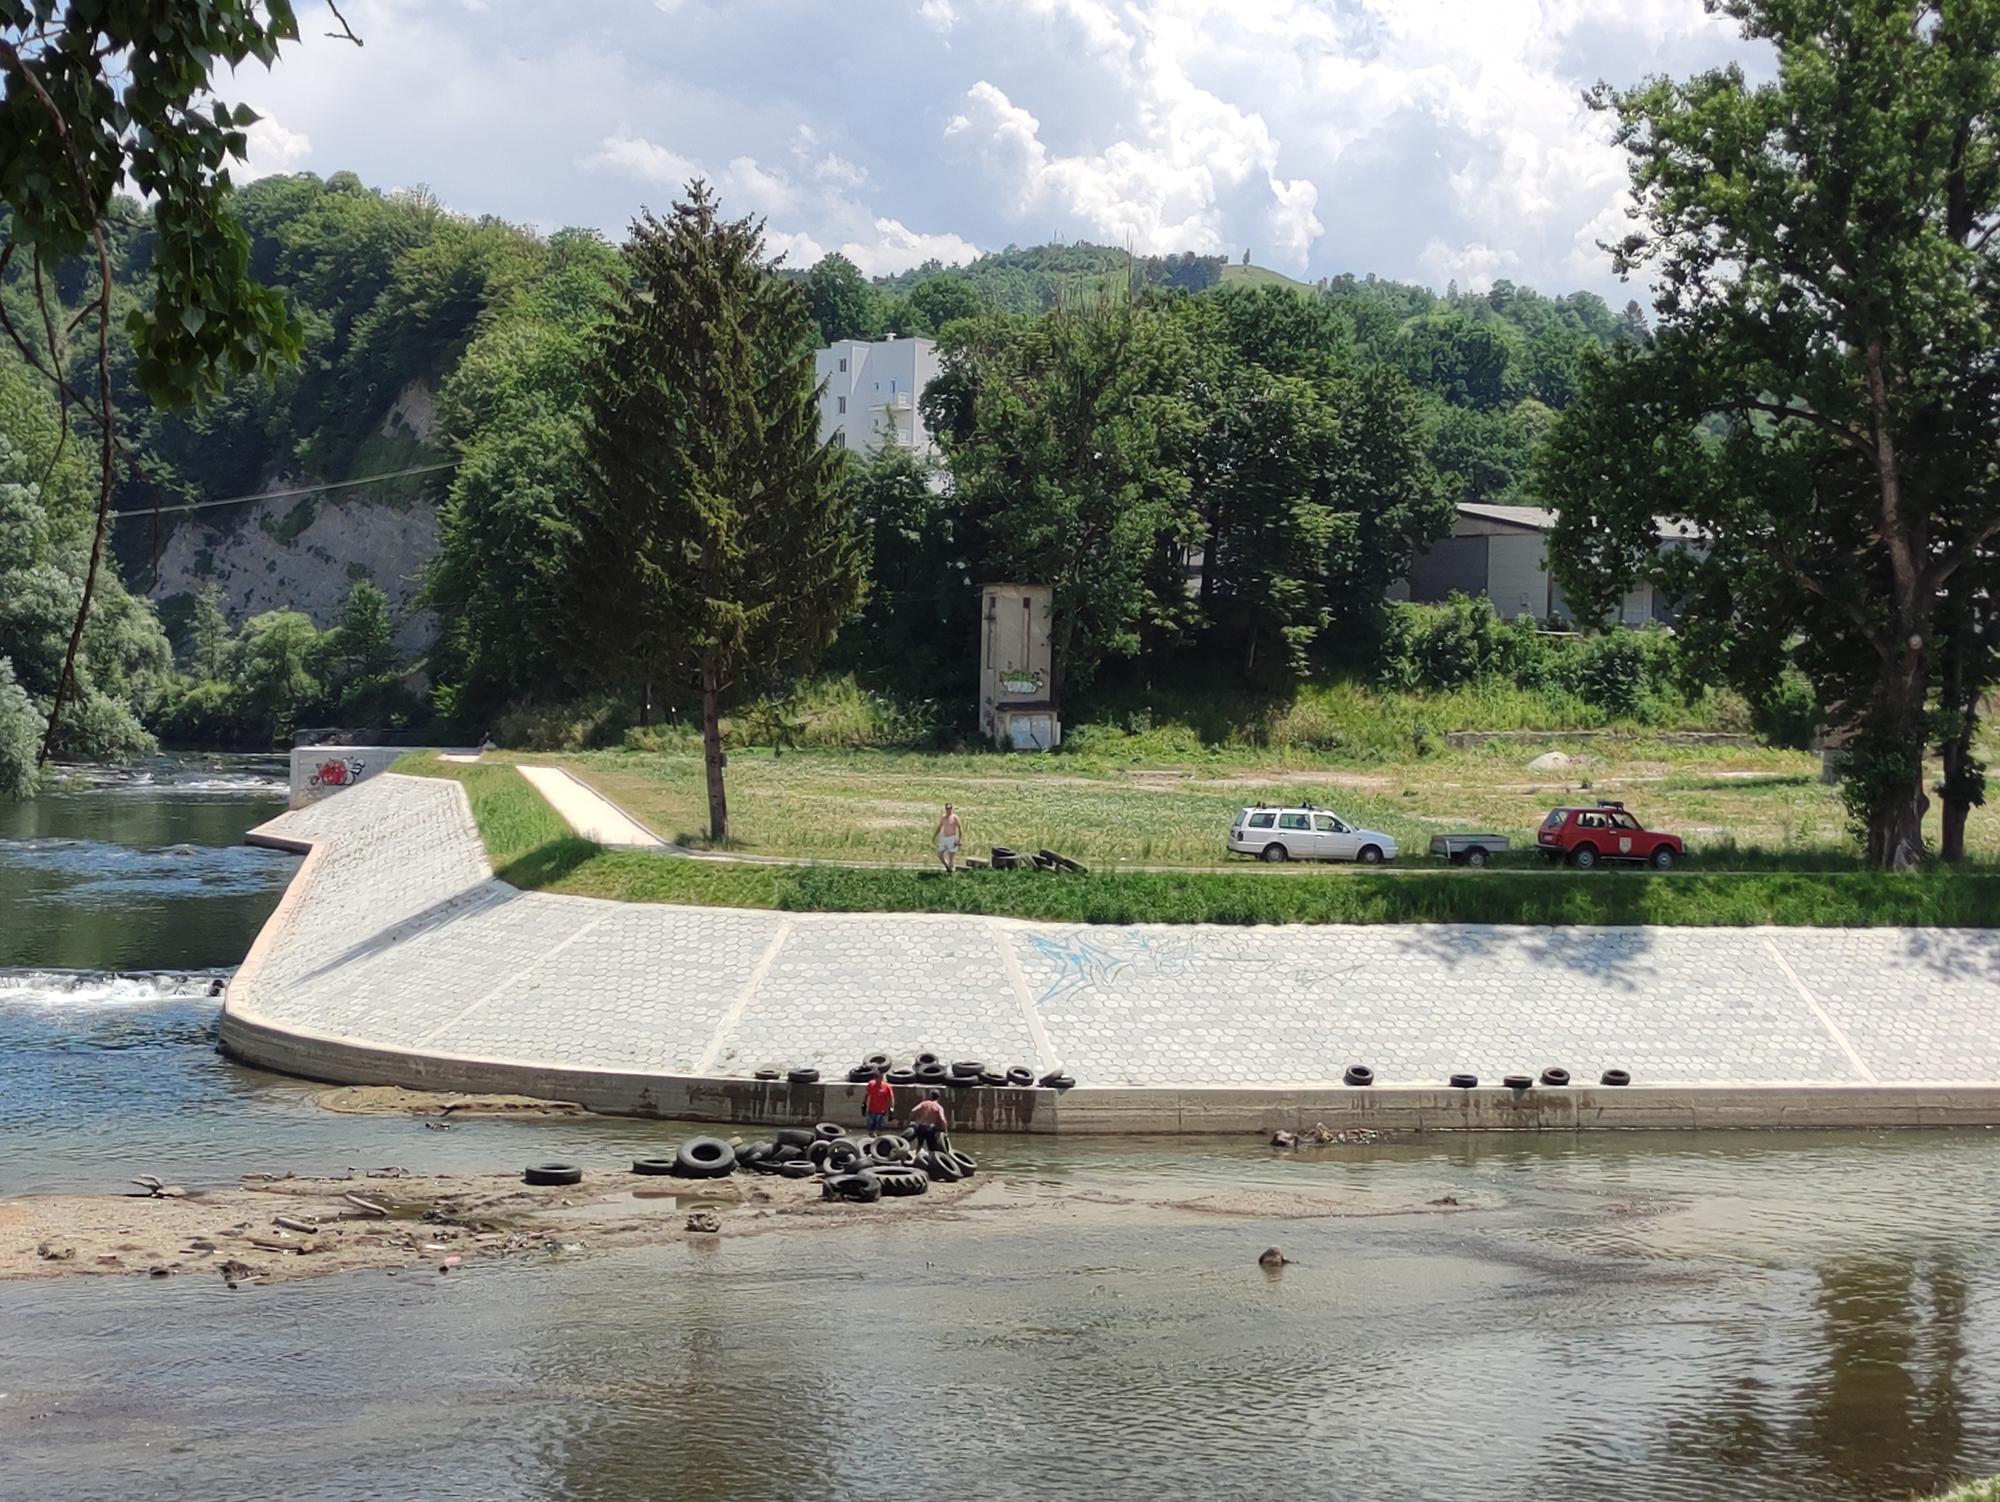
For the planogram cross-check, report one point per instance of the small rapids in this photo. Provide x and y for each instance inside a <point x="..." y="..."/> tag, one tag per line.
<point x="33" y="986"/>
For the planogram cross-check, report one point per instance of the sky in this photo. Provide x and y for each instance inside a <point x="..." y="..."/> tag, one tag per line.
<point x="1422" y="140"/>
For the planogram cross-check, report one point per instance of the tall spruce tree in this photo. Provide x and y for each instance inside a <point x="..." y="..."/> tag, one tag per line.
<point x="714" y="546"/>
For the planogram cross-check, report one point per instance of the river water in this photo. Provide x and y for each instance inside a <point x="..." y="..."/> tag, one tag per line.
<point x="1668" y="1316"/>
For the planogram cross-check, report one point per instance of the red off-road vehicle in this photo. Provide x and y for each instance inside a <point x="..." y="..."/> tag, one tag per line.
<point x="1605" y="832"/>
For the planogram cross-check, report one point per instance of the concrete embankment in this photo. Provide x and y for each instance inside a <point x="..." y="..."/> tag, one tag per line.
<point x="396" y="958"/>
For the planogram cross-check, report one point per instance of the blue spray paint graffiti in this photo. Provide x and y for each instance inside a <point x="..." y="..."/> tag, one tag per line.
<point x="1084" y="958"/>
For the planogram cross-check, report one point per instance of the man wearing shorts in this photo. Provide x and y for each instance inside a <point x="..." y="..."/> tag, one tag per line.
<point x="947" y="839"/>
<point x="927" y="1116"/>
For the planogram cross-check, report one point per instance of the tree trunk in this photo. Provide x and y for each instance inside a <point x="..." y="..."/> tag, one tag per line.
<point x="646" y="703"/>
<point x="1896" y="825"/>
<point x="1957" y="809"/>
<point x="711" y="752"/>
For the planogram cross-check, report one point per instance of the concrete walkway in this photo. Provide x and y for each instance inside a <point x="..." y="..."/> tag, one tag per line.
<point x="590" y="813"/>
<point x="396" y="956"/>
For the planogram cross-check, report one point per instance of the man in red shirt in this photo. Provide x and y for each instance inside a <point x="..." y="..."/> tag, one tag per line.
<point x="927" y="1116"/>
<point x="878" y="1100"/>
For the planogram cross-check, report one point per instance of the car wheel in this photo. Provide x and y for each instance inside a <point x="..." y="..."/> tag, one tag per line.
<point x="1371" y="855"/>
<point x="1583" y="857"/>
<point x="1476" y="856"/>
<point x="1663" y="859"/>
<point x="1276" y="853"/>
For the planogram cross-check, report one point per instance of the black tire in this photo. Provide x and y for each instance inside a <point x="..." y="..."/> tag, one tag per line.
<point x="1583" y="857"/>
<point x="1274" y="854"/>
<point x="828" y="1130"/>
<point x="992" y="1077"/>
<point x="1615" y="1077"/>
<point x="1518" y="1081"/>
<point x="864" y="1188"/>
<point x="967" y="1164"/>
<point x="924" y="1058"/>
<point x="932" y="1074"/>
<point x="943" y="1168"/>
<point x="795" y="1137"/>
<point x="1020" y="1076"/>
<point x="653" y="1165"/>
<point x="902" y="1179"/>
<point x="803" y="1077"/>
<point x="860" y="1074"/>
<point x="1663" y="859"/>
<point x="1061" y="1082"/>
<point x="968" y="1066"/>
<point x="1371" y="855"/>
<point x="878" y="1061"/>
<point x="704" y="1158"/>
<point x="767" y="1074"/>
<point x="961" y="1081"/>
<point x="798" y="1168"/>
<point x="888" y="1149"/>
<point x="552" y="1174"/>
<point x="1464" y="1081"/>
<point x="1359" y="1075"/>
<point x="844" y="1156"/>
<point x="1554" y="1077"/>
<point x="1476" y="856"/>
<point x="902" y="1076"/>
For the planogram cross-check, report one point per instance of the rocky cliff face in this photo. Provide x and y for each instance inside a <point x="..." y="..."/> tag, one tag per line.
<point x="306" y="552"/>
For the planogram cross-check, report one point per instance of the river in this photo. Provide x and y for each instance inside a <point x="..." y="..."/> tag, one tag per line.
<point x="1669" y="1316"/>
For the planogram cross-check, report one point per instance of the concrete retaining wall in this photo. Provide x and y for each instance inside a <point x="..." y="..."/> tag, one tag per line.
<point x="1167" y="1112"/>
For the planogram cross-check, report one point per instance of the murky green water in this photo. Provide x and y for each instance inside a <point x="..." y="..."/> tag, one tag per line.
<point x="1738" y="1317"/>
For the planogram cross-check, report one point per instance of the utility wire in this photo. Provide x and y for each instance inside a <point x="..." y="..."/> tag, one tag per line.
<point x="279" y="495"/>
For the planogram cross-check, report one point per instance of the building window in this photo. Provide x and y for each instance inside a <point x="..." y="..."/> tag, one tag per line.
<point x="840" y="438"/>
<point x="841" y="405"/>
<point x="843" y="365"/>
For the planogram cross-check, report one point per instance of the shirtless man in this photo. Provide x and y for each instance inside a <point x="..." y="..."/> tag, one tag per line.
<point x="947" y="839"/>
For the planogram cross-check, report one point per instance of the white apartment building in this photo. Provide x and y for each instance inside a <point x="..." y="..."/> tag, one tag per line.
<point x="868" y="393"/>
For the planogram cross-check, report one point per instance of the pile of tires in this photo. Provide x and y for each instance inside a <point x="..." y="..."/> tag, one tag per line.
<point x="861" y="1170"/>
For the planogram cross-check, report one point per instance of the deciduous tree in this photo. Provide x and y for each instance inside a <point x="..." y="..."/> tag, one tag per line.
<point x="1815" y="403"/>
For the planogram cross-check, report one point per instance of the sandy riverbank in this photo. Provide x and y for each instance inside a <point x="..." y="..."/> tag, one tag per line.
<point x="435" y="1222"/>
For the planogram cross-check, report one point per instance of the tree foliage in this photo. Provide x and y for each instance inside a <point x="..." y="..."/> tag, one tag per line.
<point x="1819" y="404"/>
<point x="712" y="545"/>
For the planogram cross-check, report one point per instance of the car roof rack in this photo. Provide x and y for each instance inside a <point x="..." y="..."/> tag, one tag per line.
<point x="1611" y="803"/>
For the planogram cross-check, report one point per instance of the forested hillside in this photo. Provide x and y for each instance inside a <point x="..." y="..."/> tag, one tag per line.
<point x="433" y="339"/>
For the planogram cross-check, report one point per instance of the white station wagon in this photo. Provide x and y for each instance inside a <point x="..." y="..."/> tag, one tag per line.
<point x="1306" y="834"/>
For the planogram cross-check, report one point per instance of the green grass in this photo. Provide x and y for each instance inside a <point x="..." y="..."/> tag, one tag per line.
<point x="530" y="846"/>
<point x="1238" y="275"/>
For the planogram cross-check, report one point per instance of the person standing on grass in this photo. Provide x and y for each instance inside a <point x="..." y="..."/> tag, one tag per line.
<point x="878" y="1100"/>
<point x="927" y="1116"/>
<point x="947" y="839"/>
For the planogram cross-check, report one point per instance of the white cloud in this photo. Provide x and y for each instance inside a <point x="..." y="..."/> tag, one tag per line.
<point x="1474" y="267"/>
<point x="635" y="156"/>
<point x="1412" y="138"/>
<point x="895" y="247"/>
<point x="272" y="149"/>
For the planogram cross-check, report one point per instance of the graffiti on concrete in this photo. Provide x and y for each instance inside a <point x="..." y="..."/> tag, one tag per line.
<point x="1087" y="959"/>
<point x="337" y="772"/>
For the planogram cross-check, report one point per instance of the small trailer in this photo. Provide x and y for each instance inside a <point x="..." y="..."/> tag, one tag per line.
<point x="1468" y="849"/>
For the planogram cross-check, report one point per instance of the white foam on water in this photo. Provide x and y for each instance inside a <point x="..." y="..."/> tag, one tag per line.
<point x="102" y="988"/>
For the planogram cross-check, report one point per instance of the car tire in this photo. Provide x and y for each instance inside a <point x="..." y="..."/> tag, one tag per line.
<point x="1555" y="1077"/>
<point x="1476" y="856"/>
<point x="552" y="1174"/>
<point x="1464" y="1082"/>
<point x="1518" y="1081"/>
<point x="902" y="1076"/>
<point x="652" y="1166"/>
<point x="1020" y="1076"/>
<point x="1615" y="1077"/>
<point x="704" y="1158"/>
<point x="923" y="1060"/>
<point x="1663" y="859"/>
<point x="828" y="1130"/>
<point x="1359" y="1075"/>
<point x="798" y="1168"/>
<point x="1371" y="855"/>
<point x="803" y="1077"/>
<point x="1584" y="857"/>
<point x="1275" y="854"/>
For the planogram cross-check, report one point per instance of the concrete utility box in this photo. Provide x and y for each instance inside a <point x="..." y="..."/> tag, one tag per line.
<point x="1016" y="663"/>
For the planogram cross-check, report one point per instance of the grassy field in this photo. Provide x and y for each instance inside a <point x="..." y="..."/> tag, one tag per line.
<point x="531" y="847"/>
<point x="1737" y="808"/>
